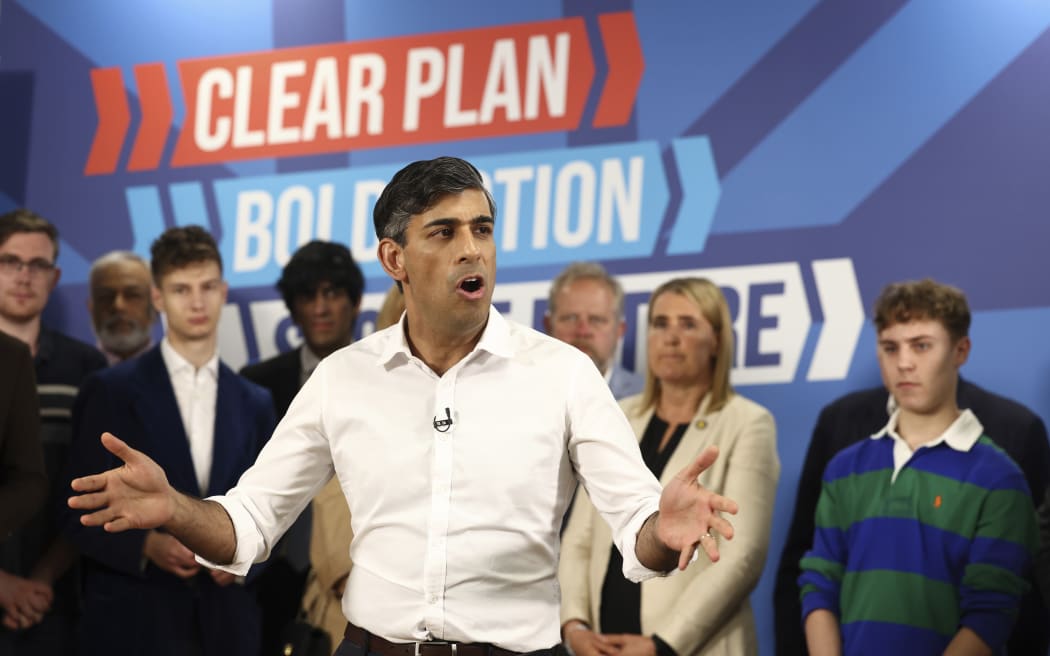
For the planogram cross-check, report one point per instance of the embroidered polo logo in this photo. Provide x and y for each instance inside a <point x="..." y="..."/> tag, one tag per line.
<point x="937" y="501"/>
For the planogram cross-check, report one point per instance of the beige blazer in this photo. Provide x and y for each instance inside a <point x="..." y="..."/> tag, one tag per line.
<point x="330" y="537"/>
<point x="705" y="609"/>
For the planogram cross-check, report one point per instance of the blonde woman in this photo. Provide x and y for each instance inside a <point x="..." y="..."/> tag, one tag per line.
<point x="687" y="405"/>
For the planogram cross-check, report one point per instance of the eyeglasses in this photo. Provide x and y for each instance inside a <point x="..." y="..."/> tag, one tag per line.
<point x="12" y="264"/>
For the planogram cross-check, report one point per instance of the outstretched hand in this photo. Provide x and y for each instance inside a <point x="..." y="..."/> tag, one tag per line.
<point x="135" y="495"/>
<point x="689" y="513"/>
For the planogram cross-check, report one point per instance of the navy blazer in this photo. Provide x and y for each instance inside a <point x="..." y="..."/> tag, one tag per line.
<point x="132" y="606"/>
<point x="851" y="418"/>
<point x="279" y="374"/>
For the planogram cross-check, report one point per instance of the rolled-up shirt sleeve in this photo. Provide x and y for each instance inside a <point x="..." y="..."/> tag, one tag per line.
<point x="605" y="454"/>
<point x="293" y="466"/>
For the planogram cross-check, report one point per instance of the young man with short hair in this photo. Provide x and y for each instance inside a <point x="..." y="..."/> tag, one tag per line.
<point x="206" y="425"/>
<point x="925" y="531"/>
<point x="322" y="286"/>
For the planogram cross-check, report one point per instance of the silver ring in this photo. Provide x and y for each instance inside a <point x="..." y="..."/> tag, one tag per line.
<point x="706" y="535"/>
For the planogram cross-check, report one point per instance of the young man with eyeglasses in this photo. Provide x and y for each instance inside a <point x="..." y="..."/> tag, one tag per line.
<point x="39" y="591"/>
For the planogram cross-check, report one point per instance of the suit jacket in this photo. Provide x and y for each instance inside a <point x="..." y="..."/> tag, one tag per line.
<point x="625" y="383"/>
<point x="859" y="415"/>
<point x="130" y="605"/>
<point x="330" y="540"/>
<point x="279" y="374"/>
<point x="23" y="483"/>
<point x="705" y="609"/>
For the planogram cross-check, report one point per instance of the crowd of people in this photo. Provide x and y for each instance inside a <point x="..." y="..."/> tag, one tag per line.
<point x="391" y="492"/>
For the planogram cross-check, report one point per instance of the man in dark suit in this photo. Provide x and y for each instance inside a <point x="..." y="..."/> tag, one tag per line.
<point x="856" y="416"/>
<point x="322" y="287"/>
<point x="144" y="592"/>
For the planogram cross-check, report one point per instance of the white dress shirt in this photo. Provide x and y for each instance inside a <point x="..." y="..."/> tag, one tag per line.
<point x="196" y="391"/>
<point x="455" y="532"/>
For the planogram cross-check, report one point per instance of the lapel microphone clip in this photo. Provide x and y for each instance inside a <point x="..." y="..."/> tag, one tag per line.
<point x="442" y="425"/>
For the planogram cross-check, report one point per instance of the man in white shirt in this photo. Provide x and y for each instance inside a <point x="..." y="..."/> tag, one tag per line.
<point x="457" y="438"/>
<point x="185" y="409"/>
<point x="585" y="309"/>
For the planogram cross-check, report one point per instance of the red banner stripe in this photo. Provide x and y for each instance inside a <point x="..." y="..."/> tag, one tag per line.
<point x="623" y="52"/>
<point x="114" y="117"/>
<point x="499" y="81"/>
<point x="157" y="113"/>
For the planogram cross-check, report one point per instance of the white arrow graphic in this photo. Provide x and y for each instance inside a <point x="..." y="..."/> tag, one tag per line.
<point x="843" y="319"/>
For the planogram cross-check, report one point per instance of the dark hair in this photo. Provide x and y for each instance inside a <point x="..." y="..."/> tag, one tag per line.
<point x="317" y="262"/>
<point x="916" y="300"/>
<point x="179" y="247"/>
<point x="418" y="187"/>
<point x="23" y="220"/>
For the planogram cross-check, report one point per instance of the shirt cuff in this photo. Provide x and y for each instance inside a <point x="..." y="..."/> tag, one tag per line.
<point x="246" y="551"/>
<point x="633" y="569"/>
<point x="993" y="626"/>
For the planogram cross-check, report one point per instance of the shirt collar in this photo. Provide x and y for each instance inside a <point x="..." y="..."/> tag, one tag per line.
<point x="308" y="360"/>
<point x="176" y="363"/>
<point x="495" y="339"/>
<point x="961" y="435"/>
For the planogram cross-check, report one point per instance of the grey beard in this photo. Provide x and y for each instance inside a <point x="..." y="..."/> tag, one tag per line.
<point x="129" y="342"/>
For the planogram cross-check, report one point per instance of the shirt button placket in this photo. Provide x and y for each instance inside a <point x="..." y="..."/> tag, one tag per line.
<point x="434" y="570"/>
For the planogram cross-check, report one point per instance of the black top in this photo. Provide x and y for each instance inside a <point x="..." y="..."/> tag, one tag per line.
<point x="621" y="605"/>
<point x="279" y="374"/>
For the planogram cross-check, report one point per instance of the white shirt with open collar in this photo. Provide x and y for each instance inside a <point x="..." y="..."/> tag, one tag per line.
<point x="455" y="532"/>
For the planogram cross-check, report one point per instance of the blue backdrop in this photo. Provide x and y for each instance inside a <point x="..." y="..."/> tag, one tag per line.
<point x="802" y="154"/>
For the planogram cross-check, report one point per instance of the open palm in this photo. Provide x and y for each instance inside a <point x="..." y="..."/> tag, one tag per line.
<point x="134" y="495"/>
<point x="689" y="513"/>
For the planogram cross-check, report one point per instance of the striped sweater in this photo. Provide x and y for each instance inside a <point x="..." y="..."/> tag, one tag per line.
<point x="904" y="561"/>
